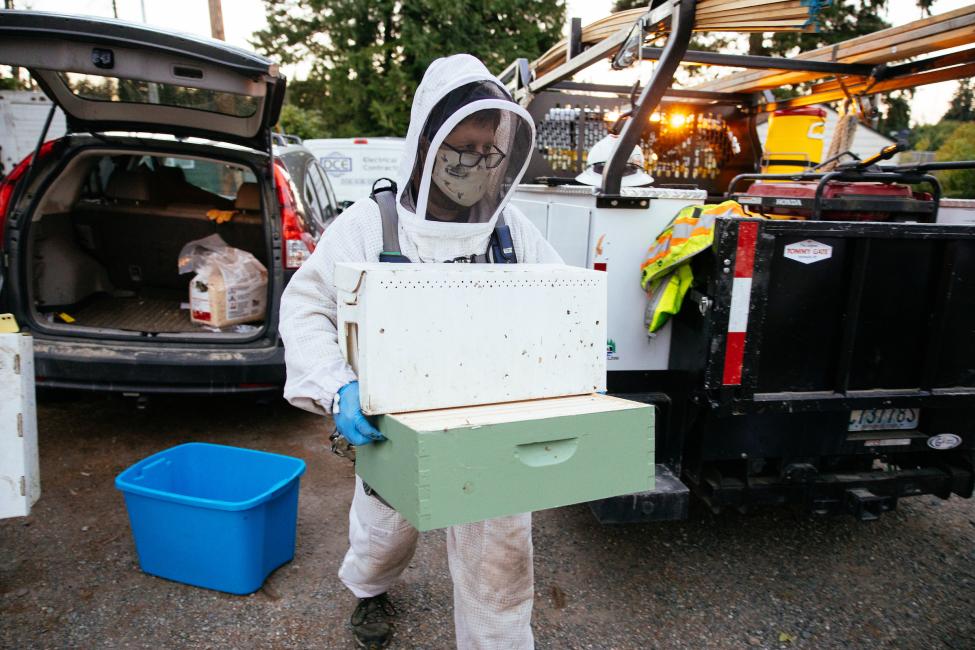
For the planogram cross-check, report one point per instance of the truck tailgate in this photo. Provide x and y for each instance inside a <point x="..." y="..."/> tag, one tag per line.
<point x="811" y="315"/>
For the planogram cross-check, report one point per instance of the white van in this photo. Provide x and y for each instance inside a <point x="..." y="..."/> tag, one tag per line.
<point x="22" y="116"/>
<point x="354" y="164"/>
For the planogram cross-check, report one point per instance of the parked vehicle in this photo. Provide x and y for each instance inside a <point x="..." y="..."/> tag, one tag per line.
<point x="354" y="164"/>
<point x="823" y="356"/>
<point x="169" y="142"/>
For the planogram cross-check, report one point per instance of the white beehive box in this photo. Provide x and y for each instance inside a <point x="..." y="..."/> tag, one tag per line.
<point x="20" y="483"/>
<point x="427" y="336"/>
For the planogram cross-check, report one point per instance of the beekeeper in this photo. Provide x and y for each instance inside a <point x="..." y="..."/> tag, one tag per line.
<point x="467" y="147"/>
<point x="634" y="173"/>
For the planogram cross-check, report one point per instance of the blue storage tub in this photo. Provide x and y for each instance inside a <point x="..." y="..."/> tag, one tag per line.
<point x="213" y="516"/>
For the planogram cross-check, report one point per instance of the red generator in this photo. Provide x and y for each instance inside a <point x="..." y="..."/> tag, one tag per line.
<point x="854" y="192"/>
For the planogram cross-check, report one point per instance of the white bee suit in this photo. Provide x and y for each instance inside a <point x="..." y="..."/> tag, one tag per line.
<point x="490" y="562"/>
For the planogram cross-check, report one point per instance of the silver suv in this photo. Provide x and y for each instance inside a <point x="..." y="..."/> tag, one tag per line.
<point x="169" y="141"/>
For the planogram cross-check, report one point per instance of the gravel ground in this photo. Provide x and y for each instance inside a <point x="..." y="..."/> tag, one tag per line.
<point x="69" y="575"/>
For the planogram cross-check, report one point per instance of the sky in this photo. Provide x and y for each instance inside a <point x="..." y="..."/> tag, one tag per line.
<point x="244" y="17"/>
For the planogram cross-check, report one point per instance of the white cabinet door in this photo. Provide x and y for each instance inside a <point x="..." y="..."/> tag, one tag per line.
<point x="20" y="480"/>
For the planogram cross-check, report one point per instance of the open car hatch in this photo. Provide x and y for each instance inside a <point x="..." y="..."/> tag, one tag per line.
<point x="109" y="75"/>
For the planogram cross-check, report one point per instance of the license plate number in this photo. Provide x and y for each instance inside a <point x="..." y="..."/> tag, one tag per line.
<point x="883" y="419"/>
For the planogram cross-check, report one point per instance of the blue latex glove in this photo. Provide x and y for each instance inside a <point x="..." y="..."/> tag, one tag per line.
<point x="350" y="421"/>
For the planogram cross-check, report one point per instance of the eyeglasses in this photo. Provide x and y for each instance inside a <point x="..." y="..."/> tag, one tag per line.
<point x="473" y="158"/>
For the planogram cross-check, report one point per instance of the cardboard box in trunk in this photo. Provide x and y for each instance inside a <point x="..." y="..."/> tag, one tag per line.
<point x="215" y="304"/>
<point x="454" y="466"/>
<point x="230" y="285"/>
<point x="428" y="336"/>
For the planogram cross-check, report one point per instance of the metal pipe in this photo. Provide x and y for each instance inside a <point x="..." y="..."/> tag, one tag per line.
<point x="672" y="93"/>
<point x="681" y="28"/>
<point x="766" y="62"/>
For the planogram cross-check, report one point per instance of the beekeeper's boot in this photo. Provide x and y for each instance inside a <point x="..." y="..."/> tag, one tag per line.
<point x="370" y="622"/>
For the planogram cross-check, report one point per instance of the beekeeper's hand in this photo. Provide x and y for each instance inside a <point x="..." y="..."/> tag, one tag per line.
<point x="349" y="419"/>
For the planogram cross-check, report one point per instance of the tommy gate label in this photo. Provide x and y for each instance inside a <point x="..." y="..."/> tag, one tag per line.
<point x="808" y="251"/>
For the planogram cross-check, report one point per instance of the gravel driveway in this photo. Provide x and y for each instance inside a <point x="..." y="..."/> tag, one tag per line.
<point x="69" y="575"/>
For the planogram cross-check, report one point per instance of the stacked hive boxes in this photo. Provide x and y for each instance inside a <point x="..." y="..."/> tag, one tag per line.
<point x="486" y="381"/>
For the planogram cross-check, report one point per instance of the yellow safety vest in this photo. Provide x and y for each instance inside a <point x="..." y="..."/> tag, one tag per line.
<point x="666" y="273"/>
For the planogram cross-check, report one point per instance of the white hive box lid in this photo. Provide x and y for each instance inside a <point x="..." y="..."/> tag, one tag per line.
<point x="427" y="336"/>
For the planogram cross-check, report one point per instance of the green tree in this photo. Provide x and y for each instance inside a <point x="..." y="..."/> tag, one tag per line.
<point x="367" y="57"/>
<point x="962" y="105"/>
<point x="930" y="137"/>
<point x="897" y="116"/>
<point x="960" y="145"/>
<point x="9" y="78"/>
<point x="302" y="122"/>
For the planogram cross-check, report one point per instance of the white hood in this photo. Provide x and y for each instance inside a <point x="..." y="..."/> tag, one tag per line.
<point x="515" y="136"/>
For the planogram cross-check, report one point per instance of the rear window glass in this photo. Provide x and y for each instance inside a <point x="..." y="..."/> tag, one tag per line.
<point x="166" y="180"/>
<point x="212" y="176"/>
<point x="112" y="89"/>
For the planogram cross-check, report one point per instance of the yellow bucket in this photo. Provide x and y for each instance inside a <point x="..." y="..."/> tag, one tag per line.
<point x="794" y="142"/>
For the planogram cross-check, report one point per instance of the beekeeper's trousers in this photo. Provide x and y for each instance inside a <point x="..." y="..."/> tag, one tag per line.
<point x="490" y="563"/>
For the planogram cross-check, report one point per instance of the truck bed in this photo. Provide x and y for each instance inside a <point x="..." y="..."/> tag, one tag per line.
<point x="832" y="363"/>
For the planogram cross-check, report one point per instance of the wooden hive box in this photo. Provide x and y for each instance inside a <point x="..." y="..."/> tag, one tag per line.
<point x="454" y="466"/>
<point x="429" y="336"/>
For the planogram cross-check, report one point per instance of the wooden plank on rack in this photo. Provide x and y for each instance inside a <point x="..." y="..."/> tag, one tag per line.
<point x="711" y="15"/>
<point x="897" y="83"/>
<point x="854" y="47"/>
<point x="896" y="52"/>
<point x="893" y="44"/>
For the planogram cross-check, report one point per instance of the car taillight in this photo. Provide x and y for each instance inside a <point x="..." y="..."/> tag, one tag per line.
<point x="9" y="182"/>
<point x="297" y="245"/>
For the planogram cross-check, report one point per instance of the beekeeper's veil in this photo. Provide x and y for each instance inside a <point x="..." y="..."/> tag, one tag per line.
<point x="455" y="89"/>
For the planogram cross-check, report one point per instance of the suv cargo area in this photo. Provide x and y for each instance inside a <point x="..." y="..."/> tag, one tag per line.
<point x="105" y="239"/>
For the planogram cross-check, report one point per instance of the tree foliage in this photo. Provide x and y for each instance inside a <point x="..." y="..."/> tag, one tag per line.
<point x="367" y="57"/>
<point x="962" y="105"/>
<point x="959" y="145"/>
<point x="897" y="116"/>
<point x="930" y="137"/>
<point x="303" y="122"/>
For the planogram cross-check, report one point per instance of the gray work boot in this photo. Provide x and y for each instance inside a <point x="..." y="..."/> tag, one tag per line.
<point x="370" y="625"/>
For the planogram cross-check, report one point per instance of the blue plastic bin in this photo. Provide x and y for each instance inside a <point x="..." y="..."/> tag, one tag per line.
<point x="213" y="516"/>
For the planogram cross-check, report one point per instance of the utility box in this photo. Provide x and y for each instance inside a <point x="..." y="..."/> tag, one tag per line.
<point x="454" y="466"/>
<point x="612" y="240"/>
<point x="20" y="477"/>
<point x="430" y="336"/>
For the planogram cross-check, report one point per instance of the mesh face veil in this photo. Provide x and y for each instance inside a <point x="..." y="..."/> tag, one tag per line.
<point x="480" y="190"/>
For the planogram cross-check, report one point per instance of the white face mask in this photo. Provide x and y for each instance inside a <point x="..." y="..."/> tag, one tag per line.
<point x="463" y="185"/>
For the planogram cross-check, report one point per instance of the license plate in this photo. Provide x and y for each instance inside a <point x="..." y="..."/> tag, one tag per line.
<point x="883" y="419"/>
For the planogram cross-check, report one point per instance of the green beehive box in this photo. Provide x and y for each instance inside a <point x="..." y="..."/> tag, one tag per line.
<point x="454" y="466"/>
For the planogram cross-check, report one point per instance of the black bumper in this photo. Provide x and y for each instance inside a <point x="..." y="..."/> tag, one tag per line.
<point x="862" y="494"/>
<point x="158" y="368"/>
